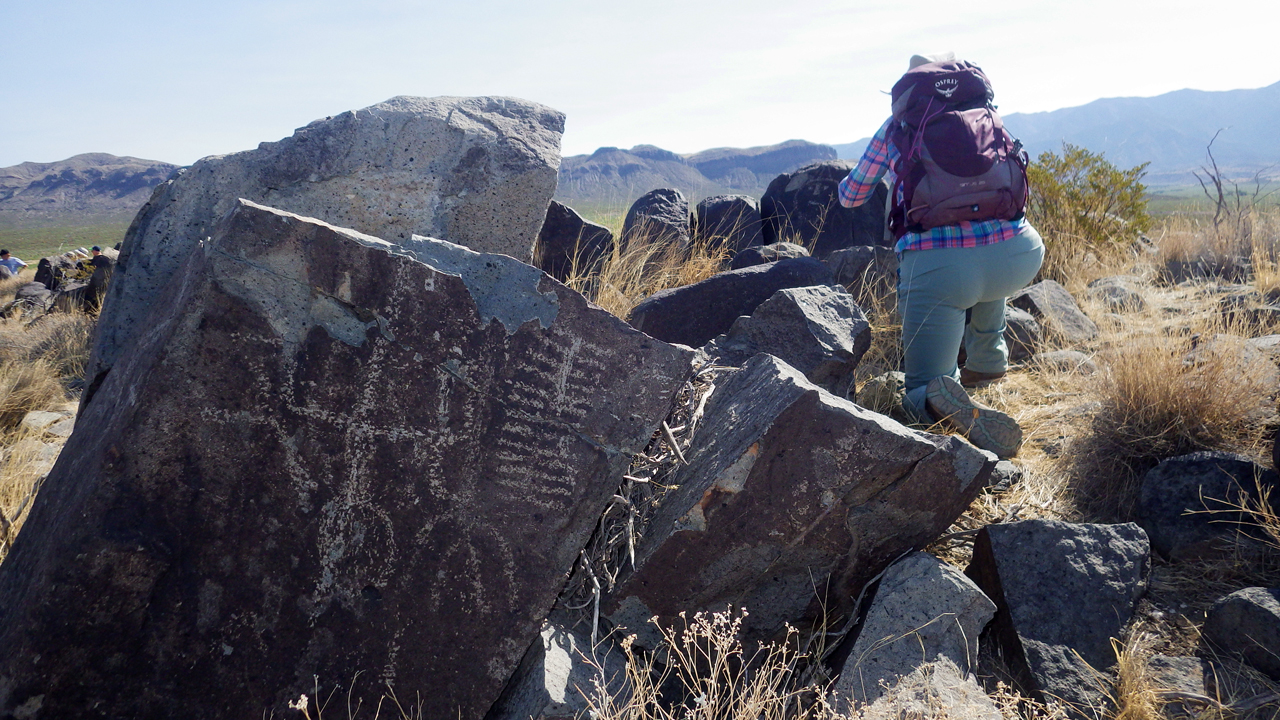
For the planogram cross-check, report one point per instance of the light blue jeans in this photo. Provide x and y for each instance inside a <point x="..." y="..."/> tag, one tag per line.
<point x="938" y="288"/>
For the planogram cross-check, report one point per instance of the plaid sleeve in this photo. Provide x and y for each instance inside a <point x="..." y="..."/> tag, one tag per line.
<point x="862" y="179"/>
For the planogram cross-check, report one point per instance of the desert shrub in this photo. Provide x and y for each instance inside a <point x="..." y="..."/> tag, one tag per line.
<point x="1160" y="396"/>
<point x="1084" y="207"/>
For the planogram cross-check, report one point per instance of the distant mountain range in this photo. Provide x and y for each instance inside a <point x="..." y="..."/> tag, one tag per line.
<point x="614" y="177"/>
<point x="86" y="189"/>
<point x="1170" y="131"/>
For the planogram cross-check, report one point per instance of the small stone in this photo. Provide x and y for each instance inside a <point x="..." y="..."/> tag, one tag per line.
<point x="1056" y="311"/>
<point x="1247" y="623"/>
<point x="1067" y="361"/>
<point x="37" y="420"/>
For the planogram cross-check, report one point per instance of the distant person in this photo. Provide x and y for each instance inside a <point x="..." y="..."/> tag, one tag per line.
<point x="10" y="263"/>
<point x="964" y="245"/>
<point x="99" y="260"/>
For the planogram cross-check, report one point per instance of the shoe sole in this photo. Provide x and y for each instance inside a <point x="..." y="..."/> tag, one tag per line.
<point x="987" y="428"/>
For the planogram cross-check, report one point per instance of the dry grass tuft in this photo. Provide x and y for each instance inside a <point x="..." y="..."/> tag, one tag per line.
<point x="25" y="387"/>
<point x="1134" y="695"/>
<point x="9" y="286"/>
<point x="1159" y="396"/>
<point x="632" y="273"/>
<point x="21" y="469"/>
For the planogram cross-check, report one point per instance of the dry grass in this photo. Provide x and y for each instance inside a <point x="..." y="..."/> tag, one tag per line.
<point x="1134" y="695"/>
<point x="1160" y="396"/>
<point x="639" y="269"/>
<point x="10" y="285"/>
<point x="38" y="360"/>
<point x="27" y="386"/>
<point x="705" y="666"/>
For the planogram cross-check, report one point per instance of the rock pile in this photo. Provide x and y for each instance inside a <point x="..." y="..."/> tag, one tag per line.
<point x="347" y="458"/>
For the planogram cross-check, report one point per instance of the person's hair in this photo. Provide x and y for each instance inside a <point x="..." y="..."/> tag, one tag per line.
<point x="95" y="248"/>
<point x="4" y="252"/>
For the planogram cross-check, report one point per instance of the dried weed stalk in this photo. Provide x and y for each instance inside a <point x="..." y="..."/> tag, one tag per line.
<point x="702" y="673"/>
<point x="612" y="547"/>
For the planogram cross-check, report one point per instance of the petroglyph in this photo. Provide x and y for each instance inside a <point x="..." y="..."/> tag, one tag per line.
<point x="328" y="461"/>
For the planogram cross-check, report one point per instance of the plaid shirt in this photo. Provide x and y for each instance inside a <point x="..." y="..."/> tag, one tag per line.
<point x="880" y="159"/>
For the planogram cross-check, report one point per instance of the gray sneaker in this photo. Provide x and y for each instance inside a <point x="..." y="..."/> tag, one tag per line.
<point x="985" y="427"/>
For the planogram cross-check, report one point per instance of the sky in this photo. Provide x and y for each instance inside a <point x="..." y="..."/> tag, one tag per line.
<point x="178" y="80"/>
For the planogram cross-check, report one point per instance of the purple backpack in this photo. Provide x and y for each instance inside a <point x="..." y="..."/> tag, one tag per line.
<point x="957" y="162"/>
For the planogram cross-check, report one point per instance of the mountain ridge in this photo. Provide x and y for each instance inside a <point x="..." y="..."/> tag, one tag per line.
<point x="88" y="188"/>
<point x="1170" y="131"/>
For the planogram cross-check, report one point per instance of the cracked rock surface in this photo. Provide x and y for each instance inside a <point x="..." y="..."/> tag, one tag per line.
<point x="325" y="459"/>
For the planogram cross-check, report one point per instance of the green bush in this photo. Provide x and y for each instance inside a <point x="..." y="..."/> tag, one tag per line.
<point x="1084" y="206"/>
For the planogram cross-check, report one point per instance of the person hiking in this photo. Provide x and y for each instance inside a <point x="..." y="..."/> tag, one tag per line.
<point x="12" y="263"/>
<point x="961" y="251"/>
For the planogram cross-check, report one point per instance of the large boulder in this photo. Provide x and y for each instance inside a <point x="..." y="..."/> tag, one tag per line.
<point x="659" y="218"/>
<point x="731" y="221"/>
<point x="35" y="294"/>
<point x="330" y="460"/>
<point x="923" y="611"/>
<point x="1247" y="623"/>
<point x="792" y="499"/>
<point x="1056" y="310"/>
<point x="568" y="243"/>
<point x="817" y="330"/>
<point x="477" y="172"/>
<point x="1191" y="505"/>
<point x="804" y="207"/>
<point x="694" y="314"/>
<point x="1063" y="591"/>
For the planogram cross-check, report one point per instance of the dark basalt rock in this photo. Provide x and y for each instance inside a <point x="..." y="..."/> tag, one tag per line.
<point x="732" y="221"/>
<point x="1022" y="334"/>
<point x="763" y="254"/>
<point x="659" y="217"/>
<point x="804" y="206"/>
<point x="568" y="241"/>
<point x="1247" y="623"/>
<point x="1063" y="592"/>
<point x="817" y="330"/>
<point x="694" y="314"/>
<point x="792" y="500"/>
<point x="1056" y="311"/>
<point x="1190" y="505"/>
<point x="475" y="171"/>
<point x="329" y="461"/>
<point x="868" y="272"/>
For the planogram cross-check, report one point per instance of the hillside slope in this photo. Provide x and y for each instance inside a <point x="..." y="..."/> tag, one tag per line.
<point x="85" y="189"/>
<point x="1169" y="131"/>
